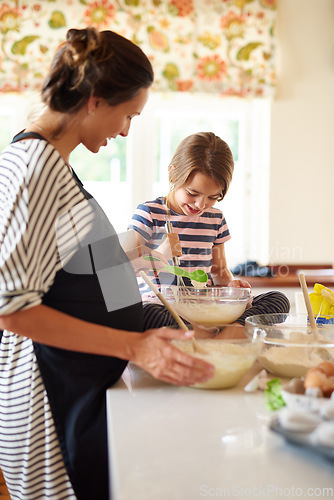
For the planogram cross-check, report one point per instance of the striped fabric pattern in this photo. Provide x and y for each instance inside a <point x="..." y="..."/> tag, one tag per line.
<point x="41" y="207"/>
<point x="198" y="234"/>
<point x="30" y="456"/>
<point x="33" y="223"/>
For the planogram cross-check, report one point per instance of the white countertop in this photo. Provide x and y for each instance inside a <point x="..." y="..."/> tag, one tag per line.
<point x="178" y="443"/>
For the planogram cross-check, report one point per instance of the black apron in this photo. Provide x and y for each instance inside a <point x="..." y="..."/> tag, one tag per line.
<point x="76" y="383"/>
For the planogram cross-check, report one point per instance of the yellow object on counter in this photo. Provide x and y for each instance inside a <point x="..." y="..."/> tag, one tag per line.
<point x="322" y="301"/>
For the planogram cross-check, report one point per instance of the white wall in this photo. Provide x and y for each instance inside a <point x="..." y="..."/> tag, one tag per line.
<point x="301" y="222"/>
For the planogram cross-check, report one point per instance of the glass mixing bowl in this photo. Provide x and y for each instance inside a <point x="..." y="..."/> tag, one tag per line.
<point x="209" y="307"/>
<point x="290" y="346"/>
<point x="232" y="359"/>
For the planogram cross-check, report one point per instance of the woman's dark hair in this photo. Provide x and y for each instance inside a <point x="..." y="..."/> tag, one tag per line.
<point x="95" y="63"/>
<point x="206" y="153"/>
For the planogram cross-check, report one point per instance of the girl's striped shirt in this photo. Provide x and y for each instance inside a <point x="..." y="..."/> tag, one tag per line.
<point x="198" y="234"/>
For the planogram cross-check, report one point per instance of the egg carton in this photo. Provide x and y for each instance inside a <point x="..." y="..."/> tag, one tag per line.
<point x="310" y="430"/>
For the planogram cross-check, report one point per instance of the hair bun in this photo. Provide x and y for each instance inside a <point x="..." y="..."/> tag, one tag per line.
<point x="99" y="63"/>
<point x="81" y="43"/>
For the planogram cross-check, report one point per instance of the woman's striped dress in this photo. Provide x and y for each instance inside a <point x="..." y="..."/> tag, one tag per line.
<point x="36" y="190"/>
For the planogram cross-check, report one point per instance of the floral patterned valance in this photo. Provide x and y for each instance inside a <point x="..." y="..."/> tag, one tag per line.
<point x="225" y="47"/>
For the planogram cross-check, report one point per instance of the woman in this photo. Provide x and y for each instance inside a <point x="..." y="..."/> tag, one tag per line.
<point x="69" y="304"/>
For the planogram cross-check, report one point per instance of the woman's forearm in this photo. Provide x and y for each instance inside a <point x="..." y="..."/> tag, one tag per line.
<point x="150" y="350"/>
<point x="48" y="326"/>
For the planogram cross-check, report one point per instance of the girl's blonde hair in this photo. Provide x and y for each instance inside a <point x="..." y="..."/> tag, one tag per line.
<point x="206" y="153"/>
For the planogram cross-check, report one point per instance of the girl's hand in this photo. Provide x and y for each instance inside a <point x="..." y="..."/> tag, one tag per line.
<point x="170" y="246"/>
<point x="239" y="284"/>
<point x="141" y="264"/>
<point x="154" y="353"/>
<point x="242" y="284"/>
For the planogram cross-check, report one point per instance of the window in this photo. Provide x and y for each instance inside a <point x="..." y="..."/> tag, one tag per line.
<point x="132" y="170"/>
<point x="244" y="124"/>
<point x="13" y="113"/>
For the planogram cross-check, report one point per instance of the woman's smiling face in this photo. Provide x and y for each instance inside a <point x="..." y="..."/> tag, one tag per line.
<point x="199" y="193"/>
<point x="105" y="122"/>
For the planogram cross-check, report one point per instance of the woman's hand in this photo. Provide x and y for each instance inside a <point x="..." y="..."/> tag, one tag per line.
<point x="154" y="353"/>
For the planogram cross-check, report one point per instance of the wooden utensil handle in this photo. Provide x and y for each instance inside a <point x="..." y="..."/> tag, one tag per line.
<point x="307" y="302"/>
<point x="168" y="306"/>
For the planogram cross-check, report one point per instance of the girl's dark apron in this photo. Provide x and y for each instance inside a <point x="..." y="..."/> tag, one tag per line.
<point x="76" y="383"/>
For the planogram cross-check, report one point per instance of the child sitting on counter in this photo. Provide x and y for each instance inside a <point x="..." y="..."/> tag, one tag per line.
<point x="200" y="173"/>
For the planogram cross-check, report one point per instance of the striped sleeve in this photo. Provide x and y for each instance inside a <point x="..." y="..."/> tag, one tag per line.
<point x="142" y="221"/>
<point x="223" y="233"/>
<point x="149" y="220"/>
<point x="36" y="189"/>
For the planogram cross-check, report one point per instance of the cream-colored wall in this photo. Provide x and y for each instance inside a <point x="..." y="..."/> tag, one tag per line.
<point x="301" y="217"/>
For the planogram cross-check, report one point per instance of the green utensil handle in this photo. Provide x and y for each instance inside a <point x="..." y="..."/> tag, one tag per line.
<point x="198" y="275"/>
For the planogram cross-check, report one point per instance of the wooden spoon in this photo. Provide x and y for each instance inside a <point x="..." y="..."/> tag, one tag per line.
<point x="308" y="306"/>
<point x="196" y="345"/>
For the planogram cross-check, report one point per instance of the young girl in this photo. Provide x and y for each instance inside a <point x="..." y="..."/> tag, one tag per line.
<point x="200" y="174"/>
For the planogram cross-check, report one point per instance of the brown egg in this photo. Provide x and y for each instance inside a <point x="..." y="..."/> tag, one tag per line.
<point x="314" y="378"/>
<point x="327" y="367"/>
<point x="321" y="377"/>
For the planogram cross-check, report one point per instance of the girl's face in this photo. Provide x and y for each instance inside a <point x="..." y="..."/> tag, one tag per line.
<point x="199" y="193"/>
<point x="104" y="122"/>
